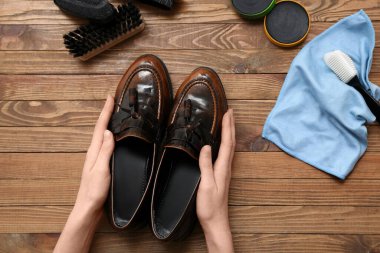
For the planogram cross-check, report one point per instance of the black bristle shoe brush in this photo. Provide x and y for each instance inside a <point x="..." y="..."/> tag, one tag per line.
<point x="90" y="40"/>
<point x="97" y="11"/>
<point x="343" y="66"/>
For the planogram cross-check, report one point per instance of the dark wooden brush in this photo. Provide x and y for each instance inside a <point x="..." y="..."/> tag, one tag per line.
<point x="90" y="40"/>
<point x="168" y="4"/>
<point x="97" y="11"/>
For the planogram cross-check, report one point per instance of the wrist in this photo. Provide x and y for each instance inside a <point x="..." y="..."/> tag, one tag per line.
<point x="212" y="228"/>
<point x="218" y="222"/>
<point x="218" y="237"/>
<point x="79" y="229"/>
<point x="85" y="214"/>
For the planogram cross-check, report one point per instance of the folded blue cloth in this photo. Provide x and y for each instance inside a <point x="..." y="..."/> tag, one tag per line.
<point x="318" y="118"/>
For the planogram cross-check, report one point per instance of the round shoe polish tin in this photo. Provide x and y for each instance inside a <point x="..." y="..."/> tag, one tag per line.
<point x="253" y="9"/>
<point x="287" y="24"/>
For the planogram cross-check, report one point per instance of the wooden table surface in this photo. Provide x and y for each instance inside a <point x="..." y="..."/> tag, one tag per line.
<point x="50" y="102"/>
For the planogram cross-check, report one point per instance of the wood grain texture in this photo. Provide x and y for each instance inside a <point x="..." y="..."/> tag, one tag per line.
<point x="177" y="61"/>
<point x="243" y="192"/>
<point x="143" y="242"/>
<point x="305" y="219"/>
<point x="47" y="219"/>
<point x="96" y="87"/>
<point x="77" y="139"/>
<point x="39" y="192"/>
<point x="50" y="113"/>
<point x="244" y="219"/>
<point x="41" y="139"/>
<point x="41" y="165"/>
<point x="85" y="113"/>
<point x="249" y="139"/>
<point x="251" y="165"/>
<point x="185" y="11"/>
<point x="310" y="192"/>
<point x="156" y="36"/>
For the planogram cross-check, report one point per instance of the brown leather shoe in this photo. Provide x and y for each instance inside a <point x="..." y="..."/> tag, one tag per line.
<point x="142" y="104"/>
<point x="195" y="121"/>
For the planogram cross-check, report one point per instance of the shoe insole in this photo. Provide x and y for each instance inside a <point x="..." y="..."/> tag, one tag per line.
<point x="132" y="169"/>
<point x="179" y="179"/>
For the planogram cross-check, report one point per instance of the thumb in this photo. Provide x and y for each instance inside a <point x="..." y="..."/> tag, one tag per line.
<point x="205" y="165"/>
<point x="106" y="151"/>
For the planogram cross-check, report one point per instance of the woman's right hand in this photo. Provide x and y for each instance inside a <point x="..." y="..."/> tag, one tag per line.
<point x="212" y="197"/>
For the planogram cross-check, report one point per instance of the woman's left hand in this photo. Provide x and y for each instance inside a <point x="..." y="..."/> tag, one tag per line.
<point x="96" y="176"/>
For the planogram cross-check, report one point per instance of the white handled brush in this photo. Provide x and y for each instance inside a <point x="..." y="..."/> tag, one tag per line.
<point x="343" y="66"/>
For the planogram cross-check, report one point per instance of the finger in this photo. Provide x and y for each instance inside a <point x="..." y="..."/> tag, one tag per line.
<point x="106" y="150"/>
<point x="102" y="123"/>
<point x="205" y="165"/>
<point x="233" y="136"/>
<point x="100" y="127"/>
<point x="226" y="145"/>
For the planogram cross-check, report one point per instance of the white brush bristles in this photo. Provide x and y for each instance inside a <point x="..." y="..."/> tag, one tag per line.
<point x="341" y="64"/>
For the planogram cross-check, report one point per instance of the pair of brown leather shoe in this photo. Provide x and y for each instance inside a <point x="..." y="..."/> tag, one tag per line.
<point x="154" y="167"/>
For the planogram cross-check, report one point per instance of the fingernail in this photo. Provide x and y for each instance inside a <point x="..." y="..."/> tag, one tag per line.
<point x="206" y="147"/>
<point x="107" y="134"/>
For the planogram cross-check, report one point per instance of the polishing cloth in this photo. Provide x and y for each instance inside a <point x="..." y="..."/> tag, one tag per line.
<point x="318" y="118"/>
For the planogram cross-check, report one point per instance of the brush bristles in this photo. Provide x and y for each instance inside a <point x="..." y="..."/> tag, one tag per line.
<point x="341" y="64"/>
<point x="87" y="38"/>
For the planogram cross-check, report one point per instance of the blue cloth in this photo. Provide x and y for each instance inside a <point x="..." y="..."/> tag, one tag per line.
<point x="318" y="118"/>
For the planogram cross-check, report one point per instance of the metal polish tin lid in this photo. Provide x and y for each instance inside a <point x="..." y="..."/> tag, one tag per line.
<point x="253" y="9"/>
<point x="288" y="24"/>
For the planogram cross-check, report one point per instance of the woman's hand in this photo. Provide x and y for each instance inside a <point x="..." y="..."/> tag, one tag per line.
<point x="212" y="198"/>
<point x="80" y="227"/>
<point x="96" y="176"/>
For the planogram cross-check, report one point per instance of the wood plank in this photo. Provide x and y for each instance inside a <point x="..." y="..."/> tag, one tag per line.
<point x="144" y="242"/>
<point x="265" y="165"/>
<point x="249" y="139"/>
<point x="41" y="139"/>
<point x="156" y="36"/>
<point x="38" y="192"/>
<point x="177" y="61"/>
<point x="85" y="113"/>
<point x="46" y="219"/>
<point x="77" y="139"/>
<point x="84" y="87"/>
<point x="187" y="11"/>
<point x="310" y="192"/>
<point x="254" y="165"/>
<point x="41" y="165"/>
<point x="49" y="113"/>
<point x="305" y="219"/>
<point x="244" y="220"/>
<point x="243" y="192"/>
